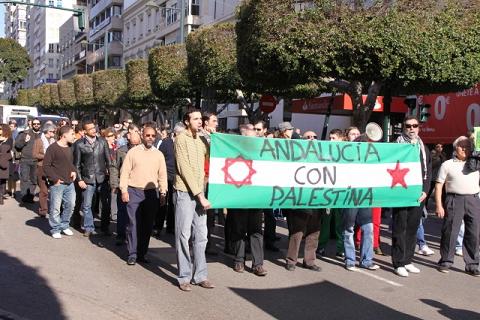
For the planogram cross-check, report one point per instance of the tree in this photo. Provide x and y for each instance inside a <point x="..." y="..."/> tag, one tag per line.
<point x="66" y="93"/>
<point x="83" y="88"/>
<point x="167" y="69"/>
<point x="392" y="47"/>
<point x="22" y="98"/>
<point x="109" y="87"/>
<point x="14" y="61"/>
<point x="141" y="100"/>
<point x="33" y="96"/>
<point x="44" y="96"/>
<point x="54" y="98"/>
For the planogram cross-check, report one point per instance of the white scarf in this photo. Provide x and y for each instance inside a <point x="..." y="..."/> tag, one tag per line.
<point x="45" y="142"/>
<point x="406" y="139"/>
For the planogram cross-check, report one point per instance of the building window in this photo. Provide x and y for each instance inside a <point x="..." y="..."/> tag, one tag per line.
<point x="50" y="63"/>
<point x="172" y="14"/>
<point x="51" y="3"/>
<point x="116" y="61"/>
<point x="116" y="10"/>
<point x="195" y="11"/>
<point x="50" y="76"/>
<point x="59" y="3"/>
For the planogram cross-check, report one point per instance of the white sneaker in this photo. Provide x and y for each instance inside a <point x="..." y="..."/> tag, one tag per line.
<point x="351" y="268"/>
<point x="401" y="271"/>
<point x="57" y="235"/>
<point x="68" y="232"/>
<point x="411" y="268"/>
<point x="426" y="251"/>
<point x="459" y="252"/>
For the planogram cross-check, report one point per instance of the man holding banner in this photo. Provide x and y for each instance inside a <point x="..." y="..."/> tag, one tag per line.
<point x="191" y="204"/>
<point x="407" y="219"/>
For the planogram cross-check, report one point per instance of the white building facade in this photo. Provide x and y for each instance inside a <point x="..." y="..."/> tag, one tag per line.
<point x="152" y="23"/>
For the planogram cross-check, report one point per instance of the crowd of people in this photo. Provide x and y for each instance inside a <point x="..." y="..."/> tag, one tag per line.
<point x="147" y="179"/>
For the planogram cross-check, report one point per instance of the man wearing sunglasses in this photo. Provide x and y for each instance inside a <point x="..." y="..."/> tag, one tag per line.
<point x="406" y="220"/>
<point x="28" y="164"/>
<point x="143" y="183"/>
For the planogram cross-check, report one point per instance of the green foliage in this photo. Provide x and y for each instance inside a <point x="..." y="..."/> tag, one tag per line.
<point x="83" y="88"/>
<point x="109" y="87"/>
<point x="14" y="61"/>
<point x="408" y="46"/>
<point x="138" y="90"/>
<point x="44" y="95"/>
<point x="167" y="69"/>
<point x="66" y="93"/>
<point x="212" y="58"/>
<point x="33" y="96"/>
<point x="54" y="99"/>
<point x="22" y="98"/>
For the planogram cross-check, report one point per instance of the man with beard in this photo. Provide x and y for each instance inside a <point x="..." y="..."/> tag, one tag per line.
<point x="28" y="164"/>
<point x="143" y="177"/>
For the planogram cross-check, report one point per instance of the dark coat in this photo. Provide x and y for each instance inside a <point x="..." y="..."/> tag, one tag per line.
<point x="91" y="161"/>
<point x="116" y="166"/>
<point x="168" y="150"/>
<point x="5" y="158"/>
<point x="26" y="148"/>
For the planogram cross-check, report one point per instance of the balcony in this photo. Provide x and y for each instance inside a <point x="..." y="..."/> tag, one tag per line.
<point x="115" y="48"/>
<point x="111" y="23"/>
<point x="101" y="5"/>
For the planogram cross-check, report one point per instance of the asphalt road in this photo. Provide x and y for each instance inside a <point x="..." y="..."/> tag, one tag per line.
<point x="80" y="278"/>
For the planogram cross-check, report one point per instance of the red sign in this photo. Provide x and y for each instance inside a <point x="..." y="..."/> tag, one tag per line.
<point x="452" y="115"/>
<point x="268" y="103"/>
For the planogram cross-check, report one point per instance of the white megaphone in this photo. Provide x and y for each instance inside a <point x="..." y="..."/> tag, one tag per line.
<point x="373" y="132"/>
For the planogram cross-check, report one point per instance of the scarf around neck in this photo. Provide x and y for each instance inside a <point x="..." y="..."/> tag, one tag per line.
<point x="403" y="138"/>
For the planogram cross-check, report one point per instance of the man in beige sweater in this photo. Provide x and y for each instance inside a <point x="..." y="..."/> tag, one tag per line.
<point x="191" y="204"/>
<point x="143" y="178"/>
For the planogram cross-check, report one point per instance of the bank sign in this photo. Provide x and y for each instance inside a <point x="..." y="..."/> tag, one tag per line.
<point x="250" y="172"/>
<point x="452" y="115"/>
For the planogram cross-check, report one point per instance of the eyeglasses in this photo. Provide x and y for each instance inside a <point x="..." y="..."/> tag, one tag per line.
<point x="149" y="135"/>
<point x="310" y="137"/>
<point x="36" y="124"/>
<point x="409" y="126"/>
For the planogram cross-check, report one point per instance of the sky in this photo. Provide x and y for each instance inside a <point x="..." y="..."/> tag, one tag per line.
<point x="2" y="27"/>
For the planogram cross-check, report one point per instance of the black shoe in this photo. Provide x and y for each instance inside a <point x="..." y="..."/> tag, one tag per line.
<point x="474" y="272"/>
<point x="271" y="247"/>
<point x="131" y="261"/>
<point x="119" y="241"/>
<point x="143" y="260"/>
<point x="340" y="255"/>
<point x="320" y="252"/>
<point x="211" y="252"/>
<point x="106" y="233"/>
<point x="313" y="267"/>
<point x="290" y="267"/>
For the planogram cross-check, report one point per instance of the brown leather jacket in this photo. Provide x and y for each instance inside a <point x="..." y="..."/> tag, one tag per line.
<point x="37" y="151"/>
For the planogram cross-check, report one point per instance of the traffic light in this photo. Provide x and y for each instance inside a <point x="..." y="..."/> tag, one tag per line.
<point x="424" y="112"/>
<point x="411" y="105"/>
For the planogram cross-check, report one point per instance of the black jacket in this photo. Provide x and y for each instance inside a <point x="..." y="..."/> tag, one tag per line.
<point x="26" y="148"/>
<point x="168" y="150"/>
<point x="92" y="161"/>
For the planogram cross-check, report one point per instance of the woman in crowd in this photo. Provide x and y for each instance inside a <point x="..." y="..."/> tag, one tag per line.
<point x="5" y="158"/>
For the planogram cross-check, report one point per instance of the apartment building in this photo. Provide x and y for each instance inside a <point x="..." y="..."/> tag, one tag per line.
<point x="105" y="45"/>
<point x="72" y="46"/>
<point x="151" y="23"/>
<point x="16" y="23"/>
<point x="43" y="37"/>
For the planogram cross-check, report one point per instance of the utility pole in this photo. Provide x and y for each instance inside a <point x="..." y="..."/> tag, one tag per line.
<point x="182" y="20"/>
<point x="105" y="49"/>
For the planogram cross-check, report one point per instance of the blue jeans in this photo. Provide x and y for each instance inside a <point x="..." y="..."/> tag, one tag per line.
<point x="459" y="242"/>
<point x="87" y="197"/>
<point x="60" y="219"/>
<point x="363" y="218"/>
<point x="421" y="235"/>
<point x="190" y="220"/>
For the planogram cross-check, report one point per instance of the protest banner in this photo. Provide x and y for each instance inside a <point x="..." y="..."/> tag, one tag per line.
<point x="250" y="172"/>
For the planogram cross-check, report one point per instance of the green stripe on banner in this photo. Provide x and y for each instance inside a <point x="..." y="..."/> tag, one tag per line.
<point x="288" y="150"/>
<point x="230" y="196"/>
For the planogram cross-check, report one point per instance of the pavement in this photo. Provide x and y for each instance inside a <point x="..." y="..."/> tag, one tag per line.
<point x="80" y="278"/>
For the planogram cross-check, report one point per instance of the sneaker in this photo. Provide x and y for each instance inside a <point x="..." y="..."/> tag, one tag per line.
<point x="474" y="272"/>
<point x="411" y="268"/>
<point x="67" y="232"/>
<point x="259" y="271"/>
<point x="312" y="267"/>
<point x="239" y="267"/>
<point x="378" y="251"/>
<point x="443" y="269"/>
<point x="57" y="235"/>
<point x="371" y="267"/>
<point x="290" y="267"/>
<point x="351" y="268"/>
<point x="401" y="271"/>
<point x="459" y="252"/>
<point x="426" y="251"/>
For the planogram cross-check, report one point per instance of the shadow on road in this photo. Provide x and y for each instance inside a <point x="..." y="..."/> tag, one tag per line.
<point x="323" y="300"/>
<point x="451" y="313"/>
<point x="24" y="293"/>
<point x="39" y="223"/>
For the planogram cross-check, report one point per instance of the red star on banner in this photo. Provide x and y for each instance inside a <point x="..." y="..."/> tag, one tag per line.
<point x="398" y="175"/>
<point x="229" y="179"/>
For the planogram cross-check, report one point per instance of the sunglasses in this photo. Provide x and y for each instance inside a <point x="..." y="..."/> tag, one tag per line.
<point x="150" y="135"/>
<point x="258" y="129"/>
<point x="409" y="126"/>
<point x="311" y="137"/>
<point x="36" y="124"/>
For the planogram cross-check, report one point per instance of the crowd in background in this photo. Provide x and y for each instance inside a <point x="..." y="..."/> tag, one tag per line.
<point x="149" y="179"/>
